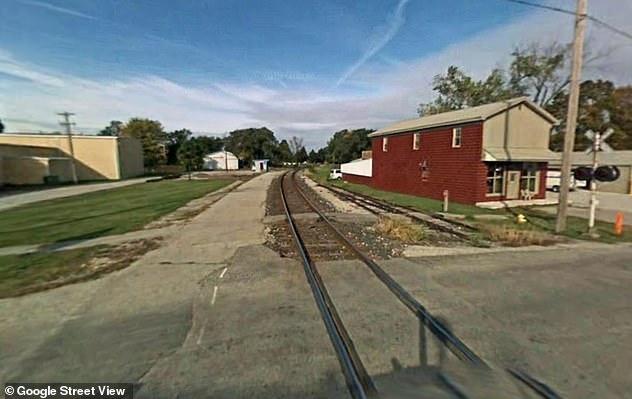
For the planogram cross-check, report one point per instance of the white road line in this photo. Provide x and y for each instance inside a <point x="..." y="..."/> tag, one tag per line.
<point x="214" y="295"/>
<point x="199" y="340"/>
<point x="223" y="272"/>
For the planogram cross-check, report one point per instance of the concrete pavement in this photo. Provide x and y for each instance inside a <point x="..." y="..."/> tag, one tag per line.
<point x="609" y="205"/>
<point x="11" y="201"/>
<point x="213" y="313"/>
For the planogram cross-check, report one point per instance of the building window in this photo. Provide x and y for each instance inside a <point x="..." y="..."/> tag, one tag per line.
<point x="416" y="141"/>
<point x="529" y="180"/>
<point x="385" y="144"/>
<point x="495" y="179"/>
<point x="425" y="170"/>
<point x="456" y="137"/>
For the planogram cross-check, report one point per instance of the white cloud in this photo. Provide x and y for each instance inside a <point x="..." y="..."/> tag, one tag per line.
<point x="395" y="21"/>
<point x="55" y="8"/>
<point x="313" y="110"/>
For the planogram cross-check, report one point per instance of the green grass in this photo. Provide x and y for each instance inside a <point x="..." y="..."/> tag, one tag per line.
<point x="321" y="173"/>
<point x="100" y="213"/>
<point x="575" y="227"/>
<point x="18" y="273"/>
<point x="537" y="220"/>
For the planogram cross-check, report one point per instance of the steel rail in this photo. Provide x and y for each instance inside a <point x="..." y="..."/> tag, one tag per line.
<point x="455" y="345"/>
<point x="358" y="380"/>
<point x="364" y="201"/>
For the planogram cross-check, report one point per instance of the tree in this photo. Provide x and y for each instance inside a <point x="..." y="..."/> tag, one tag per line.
<point x="1" y="127"/>
<point x="113" y="129"/>
<point x="285" y="153"/>
<point x="296" y="145"/>
<point x="252" y="143"/>
<point x="210" y="144"/>
<point x="536" y="71"/>
<point x="152" y="137"/>
<point x="601" y="106"/>
<point x="347" y="145"/>
<point x="301" y="155"/>
<point x="621" y="116"/>
<point x="191" y="155"/>
<point x="457" y="90"/>
<point x="175" y="140"/>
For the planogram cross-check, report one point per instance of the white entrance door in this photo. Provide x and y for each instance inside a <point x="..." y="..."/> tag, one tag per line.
<point x="513" y="184"/>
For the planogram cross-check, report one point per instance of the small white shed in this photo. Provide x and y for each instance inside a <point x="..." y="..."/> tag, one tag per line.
<point x="221" y="160"/>
<point x="260" y="165"/>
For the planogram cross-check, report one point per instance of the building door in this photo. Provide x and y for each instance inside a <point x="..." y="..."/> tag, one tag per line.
<point x="513" y="184"/>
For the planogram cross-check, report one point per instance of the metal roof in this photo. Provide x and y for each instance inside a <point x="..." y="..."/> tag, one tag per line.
<point x="467" y="115"/>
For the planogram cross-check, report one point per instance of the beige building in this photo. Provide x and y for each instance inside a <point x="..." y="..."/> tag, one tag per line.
<point x="34" y="158"/>
<point x="620" y="159"/>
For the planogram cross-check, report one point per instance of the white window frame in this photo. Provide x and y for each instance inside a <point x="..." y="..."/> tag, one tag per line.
<point x="384" y="144"/>
<point x="416" y="141"/>
<point x="457" y="132"/>
<point x="528" y="176"/>
<point x="498" y="175"/>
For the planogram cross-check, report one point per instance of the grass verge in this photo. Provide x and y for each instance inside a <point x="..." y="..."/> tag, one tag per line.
<point x="97" y="214"/>
<point x="23" y="274"/>
<point x="538" y="230"/>
<point x="400" y="229"/>
<point x="321" y="174"/>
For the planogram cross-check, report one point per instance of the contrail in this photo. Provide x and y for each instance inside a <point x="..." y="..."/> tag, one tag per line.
<point x="52" y="7"/>
<point x="395" y="22"/>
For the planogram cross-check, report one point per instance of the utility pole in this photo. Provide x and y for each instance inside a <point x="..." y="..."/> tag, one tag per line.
<point x="571" y="117"/>
<point x="68" y="125"/>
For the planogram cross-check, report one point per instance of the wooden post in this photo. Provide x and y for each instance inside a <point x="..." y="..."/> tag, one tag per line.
<point x="571" y="118"/>
<point x="446" y="194"/>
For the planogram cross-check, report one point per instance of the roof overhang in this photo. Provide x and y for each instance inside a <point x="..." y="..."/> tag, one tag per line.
<point x="519" y="155"/>
<point x="466" y="115"/>
<point x="388" y="132"/>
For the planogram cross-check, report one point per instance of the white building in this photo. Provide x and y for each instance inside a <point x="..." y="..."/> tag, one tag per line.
<point x="260" y="165"/>
<point x="221" y="160"/>
<point x="358" y="167"/>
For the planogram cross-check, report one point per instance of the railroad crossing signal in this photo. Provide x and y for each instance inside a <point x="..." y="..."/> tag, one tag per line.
<point x="599" y="141"/>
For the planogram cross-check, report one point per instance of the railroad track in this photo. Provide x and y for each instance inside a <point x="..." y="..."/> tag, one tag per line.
<point x="358" y="381"/>
<point x="379" y="207"/>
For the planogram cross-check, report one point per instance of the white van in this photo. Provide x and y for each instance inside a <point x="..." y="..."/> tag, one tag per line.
<point x="335" y="174"/>
<point x="554" y="179"/>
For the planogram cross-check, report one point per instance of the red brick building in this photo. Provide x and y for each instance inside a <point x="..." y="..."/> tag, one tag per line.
<point x="493" y="152"/>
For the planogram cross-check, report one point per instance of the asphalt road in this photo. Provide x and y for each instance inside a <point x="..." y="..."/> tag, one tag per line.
<point x="564" y="315"/>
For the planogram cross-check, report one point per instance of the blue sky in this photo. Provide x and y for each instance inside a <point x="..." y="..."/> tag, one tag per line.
<point x="300" y="68"/>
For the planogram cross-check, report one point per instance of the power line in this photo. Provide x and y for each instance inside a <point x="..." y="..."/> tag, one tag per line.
<point x="612" y="28"/>
<point x="551" y="8"/>
<point x="68" y="125"/>
<point x="564" y="11"/>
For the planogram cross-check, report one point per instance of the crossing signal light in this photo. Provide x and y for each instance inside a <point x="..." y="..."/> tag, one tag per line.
<point x="583" y="173"/>
<point x="607" y="173"/>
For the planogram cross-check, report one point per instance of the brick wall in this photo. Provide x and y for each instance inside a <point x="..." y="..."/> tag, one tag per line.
<point x="356" y="179"/>
<point x="458" y="170"/>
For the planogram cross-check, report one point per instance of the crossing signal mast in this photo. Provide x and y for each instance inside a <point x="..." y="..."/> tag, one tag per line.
<point x="601" y="173"/>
